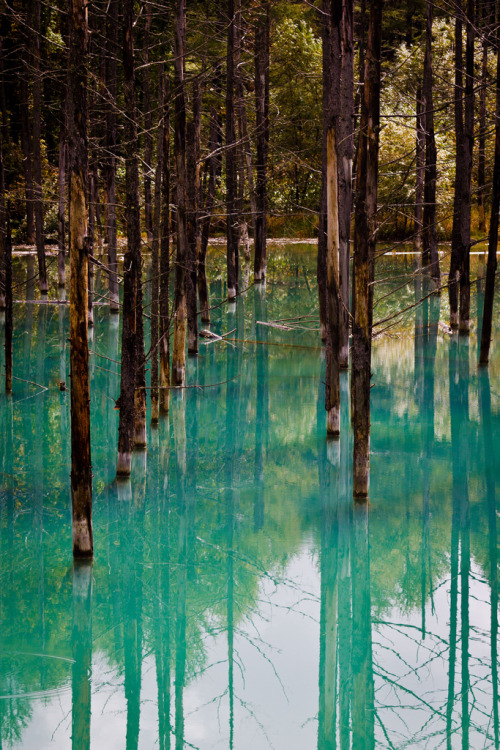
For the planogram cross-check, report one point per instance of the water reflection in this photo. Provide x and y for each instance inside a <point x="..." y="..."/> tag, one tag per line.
<point x="238" y="598"/>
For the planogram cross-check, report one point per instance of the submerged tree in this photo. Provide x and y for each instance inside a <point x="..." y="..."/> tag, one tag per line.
<point x="365" y="227"/>
<point x="81" y="468"/>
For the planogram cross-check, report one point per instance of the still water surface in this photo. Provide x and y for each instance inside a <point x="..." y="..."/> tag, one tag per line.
<point x="238" y="599"/>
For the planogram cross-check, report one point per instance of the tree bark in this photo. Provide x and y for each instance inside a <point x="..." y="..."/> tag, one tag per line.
<point x="25" y="127"/>
<point x="180" y="312"/>
<point x="132" y="423"/>
<point x="61" y="218"/>
<point x="211" y="165"/>
<point x="193" y="189"/>
<point x="430" y="256"/>
<point x="491" y="266"/>
<point x="346" y="154"/>
<point x="81" y="467"/>
<point x="165" y="258"/>
<point x="148" y="128"/>
<point x="37" y="153"/>
<point x="9" y="323"/>
<point x="419" y="175"/>
<point x="111" y="141"/>
<point x="231" y="159"/>
<point x="262" y="46"/>
<point x="481" y="155"/>
<point x="459" y="275"/>
<point x="155" y="257"/>
<point x="332" y="18"/>
<point x="365" y="227"/>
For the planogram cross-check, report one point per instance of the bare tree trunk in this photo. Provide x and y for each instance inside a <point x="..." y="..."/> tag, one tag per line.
<point x="37" y="154"/>
<point x="491" y="266"/>
<point x="332" y="18"/>
<point x="459" y="275"/>
<point x="132" y="424"/>
<point x="148" y="127"/>
<point x="111" y="141"/>
<point x="81" y="639"/>
<point x="81" y="467"/>
<point x="481" y="156"/>
<point x="178" y="373"/>
<point x="165" y="257"/>
<point x="419" y="174"/>
<point x="365" y="227"/>
<point x="193" y="190"/>
<point x="155" y="256"/>
<point x="231" y="159"/>
<point x="262" y="44"/>
<point x="9" y="323"/>
<point x="61" y="219"/>
<point x="25" y="127"/>
<point x="430" y="257"/>
<point x="346" y="154"/>
<point x="211" y="166"/>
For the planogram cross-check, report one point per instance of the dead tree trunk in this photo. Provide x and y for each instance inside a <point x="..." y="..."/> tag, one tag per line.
<point x="61" y="218"/>
<point x="332" y="18"/>
<point x="365" y="226"/>
<point x="155" y="257"/>
<point x="9" y="323"/>
<point x="37" y="153"/>
<point x="180" y="313"/>
<point x="81" y="468"/>
<point x="459" y="275"/>
<point x="164" y="219"/>
<point x="148" y="127"/>
<point x="132" y="414"/>
<point x="262" y="45"/>
<point x="481" y="155"/>
<point x="111" y="140"/>
<point x="430" y="257"/>
<point x="193" y="190"/>
<point x="346" y="154"/>
<point x="491" y="267"/>
<point x="134" y="218"/>
<point x="25" y="126"/>
<point x="211" y="166"/>
<point x="419" y="174"/>
<point x="231" y="160"/>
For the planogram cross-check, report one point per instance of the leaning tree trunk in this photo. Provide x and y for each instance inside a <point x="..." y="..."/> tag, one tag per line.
<point x="262" y="137"/>
<point x="491" y="267"/>
<point x="346" y="154"/>
<point x="332" y="19"/>
<point x="180" y="305"/>
<point x="231" y="159"/>
<point x="37" y="146"/>
<point x="111" y="141"/>
<point x="81" y="468"/>
<point x="365" y="226"/>
<point x="430" y="256"/>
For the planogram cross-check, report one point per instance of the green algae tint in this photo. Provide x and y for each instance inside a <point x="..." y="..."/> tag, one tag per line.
<point x="237" y="597"/>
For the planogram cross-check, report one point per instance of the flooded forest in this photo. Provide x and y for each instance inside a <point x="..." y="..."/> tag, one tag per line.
<point x="249" y="374"/>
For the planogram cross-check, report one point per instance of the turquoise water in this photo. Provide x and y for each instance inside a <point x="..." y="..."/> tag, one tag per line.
<point x="237" y="597"/>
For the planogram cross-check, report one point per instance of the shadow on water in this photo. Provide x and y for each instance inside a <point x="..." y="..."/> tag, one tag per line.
<point x="237" y="597"/>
